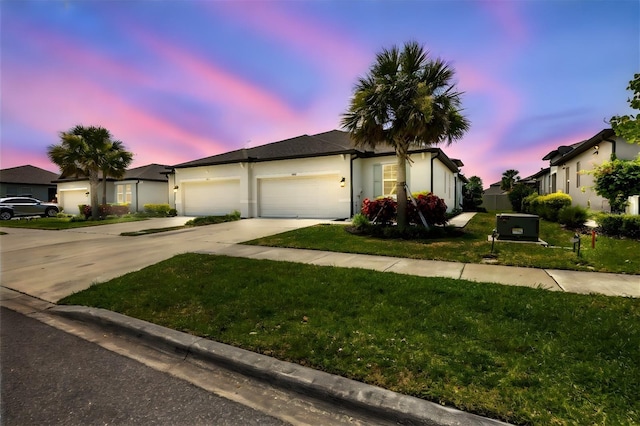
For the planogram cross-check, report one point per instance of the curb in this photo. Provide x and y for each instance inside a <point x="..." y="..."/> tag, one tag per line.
<point x="348" y="393"/>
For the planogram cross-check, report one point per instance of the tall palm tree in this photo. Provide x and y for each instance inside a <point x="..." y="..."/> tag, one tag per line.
<point x="84" y="151"/>
<point x="116" y="162"/>
<point x="509" y="179"/>
<point x="406" y="99"/>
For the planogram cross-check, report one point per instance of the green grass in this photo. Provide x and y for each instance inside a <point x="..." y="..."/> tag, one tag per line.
<point x="522" y="355"/>
<point x="609" y="255"/>
<point x="55" y="223"/>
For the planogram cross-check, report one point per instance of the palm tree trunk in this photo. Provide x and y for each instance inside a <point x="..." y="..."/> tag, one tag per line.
<point x="401" y="192"/>
<point x="104" y="188"/>
<point x="93" y="185"/>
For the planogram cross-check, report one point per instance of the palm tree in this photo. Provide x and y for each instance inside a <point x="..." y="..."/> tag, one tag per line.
<point x="509" y="179"/>
<point x="116" y="162"/>
<point x="405" y="100"/>
<point x="84" y="151"/>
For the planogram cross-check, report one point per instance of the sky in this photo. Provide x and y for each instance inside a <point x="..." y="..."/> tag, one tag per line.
<point x="176" y="81"/>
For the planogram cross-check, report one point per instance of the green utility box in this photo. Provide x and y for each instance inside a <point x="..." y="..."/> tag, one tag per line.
<point x="518" y="227"/>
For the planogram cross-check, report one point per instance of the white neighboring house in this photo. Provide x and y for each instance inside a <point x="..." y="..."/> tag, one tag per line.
<point x="318" y="176"/>
<point x="568" y="166"/>
<point x="140" y="186"/>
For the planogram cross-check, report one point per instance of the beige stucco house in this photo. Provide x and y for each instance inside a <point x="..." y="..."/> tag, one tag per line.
<point x="569" y="167"/>
<point x="317" y="176"/>
<point x="141" y="185"/>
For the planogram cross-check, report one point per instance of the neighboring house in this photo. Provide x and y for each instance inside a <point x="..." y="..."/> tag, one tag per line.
<point x="495" y="198"/>
<point x="141" y="185"/>
<point x="569" y="166"/>
<point x="28" y="181"/>
<point x="318" y="176"/>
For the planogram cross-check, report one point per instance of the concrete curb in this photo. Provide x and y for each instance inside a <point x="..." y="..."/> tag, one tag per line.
<point x="335" y="389"/>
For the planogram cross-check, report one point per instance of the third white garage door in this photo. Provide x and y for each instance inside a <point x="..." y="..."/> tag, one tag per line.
<point x="305" y="197"/>
<point x="211" y="198"/>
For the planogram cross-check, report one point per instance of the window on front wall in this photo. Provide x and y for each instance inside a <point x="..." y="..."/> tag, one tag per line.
<point x="578" y="174"/>
<point x="123" y="194"/>
<point x="389" y="179"/>
<point x="567" y="176"/>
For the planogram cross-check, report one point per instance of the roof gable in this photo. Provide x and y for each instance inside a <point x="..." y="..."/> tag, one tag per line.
<point x="27" y="175"/>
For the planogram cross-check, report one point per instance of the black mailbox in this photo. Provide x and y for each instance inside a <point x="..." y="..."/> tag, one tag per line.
<point x="518" y="226"/>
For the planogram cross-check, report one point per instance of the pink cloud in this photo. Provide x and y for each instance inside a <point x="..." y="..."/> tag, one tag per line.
<point x="329" y="47"/>
<point x="60" y="102"/>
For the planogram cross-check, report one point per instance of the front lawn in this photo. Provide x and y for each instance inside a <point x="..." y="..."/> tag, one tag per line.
<point x="609" y="255"/>
<point x="53" y="223"/>
<point x="522" y="355"/>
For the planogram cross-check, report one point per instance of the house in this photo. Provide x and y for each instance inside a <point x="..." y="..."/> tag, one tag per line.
<point x="140" y="186"/>
<point x="28" y="181"/>
<point x="568" y="167"/>
<point x="317" y="176"/>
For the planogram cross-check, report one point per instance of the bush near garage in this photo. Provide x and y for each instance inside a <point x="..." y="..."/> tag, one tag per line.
<point x="619" y="225"/>
<point x="160" y="210"/>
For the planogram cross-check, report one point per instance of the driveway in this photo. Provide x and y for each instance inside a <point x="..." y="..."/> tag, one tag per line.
<point x="53" y="264"/>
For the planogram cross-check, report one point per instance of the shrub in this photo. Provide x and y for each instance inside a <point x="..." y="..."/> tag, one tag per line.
<point x="212" y="220"/>
<point x="173" y="212"/>
<point x="573" y="216"/>
<point x="619" y="225"/>
<point x="517" y="195"/>
<point x="104" y="210"/>
<point x="547" y="206"/>
<point x="528" y="201"/>
<point x="161" y="210"/>
<point x="432" y="207"/>
<point x="381" y="210"/>
<point x="360" y="221"/>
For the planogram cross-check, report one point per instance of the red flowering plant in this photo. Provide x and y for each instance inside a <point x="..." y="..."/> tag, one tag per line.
<point x="382" y="210"/>
<point x="433" y="209"/>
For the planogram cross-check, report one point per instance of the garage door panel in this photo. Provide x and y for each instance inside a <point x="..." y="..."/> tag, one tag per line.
<point x="211" y="198"/>
<point x="304" y="197"/>
<point x="70" y="200"/>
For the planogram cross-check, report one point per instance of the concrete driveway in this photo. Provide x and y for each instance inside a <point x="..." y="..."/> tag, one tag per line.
<point x="53" y="264"/>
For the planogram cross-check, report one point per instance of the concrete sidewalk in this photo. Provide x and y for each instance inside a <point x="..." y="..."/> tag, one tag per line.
<point x="550" y="279"/>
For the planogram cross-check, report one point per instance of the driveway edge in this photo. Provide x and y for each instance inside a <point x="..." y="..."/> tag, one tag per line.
<point x="348" y="393"/>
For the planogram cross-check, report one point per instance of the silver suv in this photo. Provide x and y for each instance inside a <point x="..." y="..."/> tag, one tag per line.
<point x="26" y="206"/>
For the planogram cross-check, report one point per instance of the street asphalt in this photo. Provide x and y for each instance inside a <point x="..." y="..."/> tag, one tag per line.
<point x="40" y="267"/>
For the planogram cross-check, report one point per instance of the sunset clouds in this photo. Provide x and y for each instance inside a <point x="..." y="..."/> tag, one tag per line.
<point x="181" y="80"/>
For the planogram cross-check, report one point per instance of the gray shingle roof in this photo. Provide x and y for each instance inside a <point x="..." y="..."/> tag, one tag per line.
<point x="321" y="144"/>
<point x="154" y="172"/>
<point x="27" y="175"/>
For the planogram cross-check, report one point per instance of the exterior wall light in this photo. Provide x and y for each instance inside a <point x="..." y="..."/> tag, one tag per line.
<point x="342" y="182"/>
<point x="175" y="188"/>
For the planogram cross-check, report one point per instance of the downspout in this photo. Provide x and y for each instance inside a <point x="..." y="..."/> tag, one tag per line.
<point x="351" y="208"/>
<point x="137" y="195"/>
<point x="433" y="157"/>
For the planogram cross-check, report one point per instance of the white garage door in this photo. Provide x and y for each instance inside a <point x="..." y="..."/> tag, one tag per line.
<point x="305" y="197"/>
<point x="211" y="198"/>
<point x="70" y="200"/>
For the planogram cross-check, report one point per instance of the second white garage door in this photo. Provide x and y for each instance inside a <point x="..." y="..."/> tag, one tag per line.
<point x="211" y="198"/>
<point x="305" y="197"/>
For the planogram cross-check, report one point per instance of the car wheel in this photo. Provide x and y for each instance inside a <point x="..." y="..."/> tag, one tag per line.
<point x="5" y="215"/>
<point x="51" y="212"/>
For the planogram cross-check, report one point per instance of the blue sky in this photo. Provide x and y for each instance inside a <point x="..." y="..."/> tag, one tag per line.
<point x="181" y="80"/>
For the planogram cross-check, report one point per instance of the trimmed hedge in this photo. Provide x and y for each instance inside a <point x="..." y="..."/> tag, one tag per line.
<point x="161" y="210"/>
<point x="547" y="206"/>
<point x="619" y="225"/>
